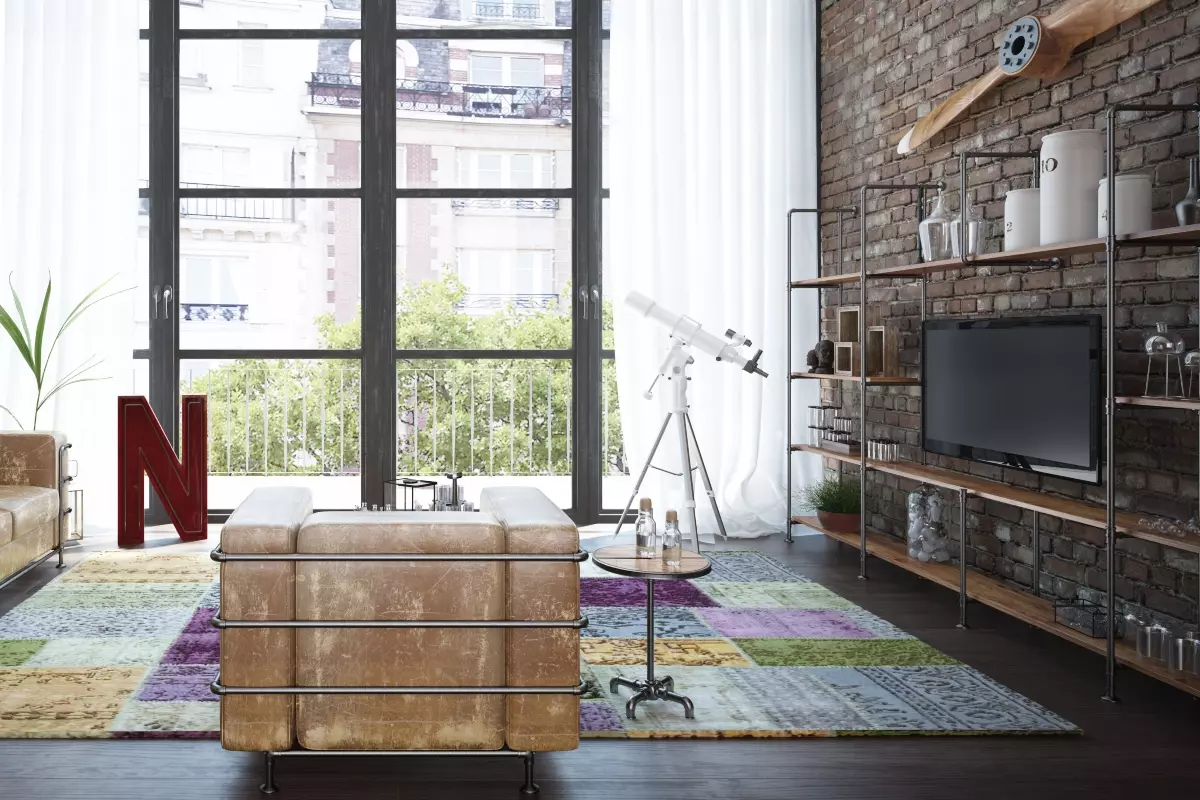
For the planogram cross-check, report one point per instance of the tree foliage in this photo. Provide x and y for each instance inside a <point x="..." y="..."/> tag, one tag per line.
<point x="486" y="416"/>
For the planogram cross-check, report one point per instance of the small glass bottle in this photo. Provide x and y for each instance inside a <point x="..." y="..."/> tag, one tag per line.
<point x="646" y="531"/>
<point x="672" y="541"/>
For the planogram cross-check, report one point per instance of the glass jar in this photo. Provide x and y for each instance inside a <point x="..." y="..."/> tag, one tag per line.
<point x="927" y="537"/>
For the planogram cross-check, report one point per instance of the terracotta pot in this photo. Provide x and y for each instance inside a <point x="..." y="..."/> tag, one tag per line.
<point x="840" y="523"/>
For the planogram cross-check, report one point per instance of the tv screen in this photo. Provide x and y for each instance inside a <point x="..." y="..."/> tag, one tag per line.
<point x="1020" y="392"/>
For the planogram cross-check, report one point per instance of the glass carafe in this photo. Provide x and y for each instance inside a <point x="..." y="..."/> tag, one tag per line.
<point x="934" y="231"/>
<point x="967" y="229"/>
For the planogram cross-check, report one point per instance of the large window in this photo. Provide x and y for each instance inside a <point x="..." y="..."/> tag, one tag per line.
<point x="287" y="280"/>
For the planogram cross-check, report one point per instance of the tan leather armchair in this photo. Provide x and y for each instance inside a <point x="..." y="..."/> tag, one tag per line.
<point x="405" y="571"/>
<point x="33" y="499"/>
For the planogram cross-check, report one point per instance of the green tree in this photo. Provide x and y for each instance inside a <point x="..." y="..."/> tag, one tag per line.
<point x="483" y="416"/>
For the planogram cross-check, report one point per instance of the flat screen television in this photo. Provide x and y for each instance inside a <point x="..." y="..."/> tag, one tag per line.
<point x="1020" y="392"/>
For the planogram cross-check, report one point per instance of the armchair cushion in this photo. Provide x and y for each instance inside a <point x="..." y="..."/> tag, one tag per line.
<point x="400" y="590"/>
<point x="28" y="508"/>
<point x="30" y="458"/>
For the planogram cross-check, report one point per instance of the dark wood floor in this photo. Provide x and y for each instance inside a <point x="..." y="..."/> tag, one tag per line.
<point x="1143" y="747"/>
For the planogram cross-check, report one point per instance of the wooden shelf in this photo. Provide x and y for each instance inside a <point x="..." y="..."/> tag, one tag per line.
<point x="1063" y="507"/>
<point x="995" y="594"/>
<point x="1182" y="235"/>
<point x="826" y="280"/>
<point x="877" y="380"/>
<point x="1160" y="402"/>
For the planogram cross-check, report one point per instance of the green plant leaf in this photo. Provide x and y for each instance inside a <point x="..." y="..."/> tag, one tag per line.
<point x="20" y="309"/>
<point x="6" y="410"/>
<point x="18" y="340"/>
<point x="80" y="308"/>
<point x="71" y="382"/>
<point x="41" y="330"/>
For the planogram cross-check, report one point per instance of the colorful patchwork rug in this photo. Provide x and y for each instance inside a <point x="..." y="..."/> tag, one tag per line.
<point x="120" y="646"/>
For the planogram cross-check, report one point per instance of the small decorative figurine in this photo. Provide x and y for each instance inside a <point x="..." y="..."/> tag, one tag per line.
<point x="820" y="358"/>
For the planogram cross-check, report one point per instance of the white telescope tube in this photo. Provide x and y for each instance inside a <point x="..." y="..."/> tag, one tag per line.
<point x="692" y="333"/>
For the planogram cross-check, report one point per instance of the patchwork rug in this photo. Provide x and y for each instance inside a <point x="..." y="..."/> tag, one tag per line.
<point x="120" y="646"/>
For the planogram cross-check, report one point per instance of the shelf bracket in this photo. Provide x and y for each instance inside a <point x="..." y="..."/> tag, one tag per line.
<point x="963" y="163"/>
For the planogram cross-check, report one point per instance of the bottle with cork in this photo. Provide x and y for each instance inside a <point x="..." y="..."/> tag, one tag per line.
<point x="646" y="532"/>
<point x="672" y="541"/>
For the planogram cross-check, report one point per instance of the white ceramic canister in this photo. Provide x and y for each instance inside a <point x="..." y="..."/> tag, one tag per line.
<point x="1072" y="165"/>
<point x="1022" y="219"/>
<point x="1133" y="204"/>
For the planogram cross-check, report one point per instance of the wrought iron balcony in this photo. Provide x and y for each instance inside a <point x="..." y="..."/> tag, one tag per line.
<point x="259" y="209"/>
<point x="521" y="302"/>
<point x="344" y="90"/>
<point x="547" y="205"/>
<point x="214" y="312"/>
<point x="521" y="12"/>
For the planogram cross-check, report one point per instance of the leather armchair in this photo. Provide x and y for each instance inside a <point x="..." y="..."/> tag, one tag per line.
<point x="514" y="521"/>
<point x="33" y="499"/>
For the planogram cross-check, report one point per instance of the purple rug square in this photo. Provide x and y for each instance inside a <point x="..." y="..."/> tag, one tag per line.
<point x="201" y="621"/>
<point x="598" y="717"/>
<point x="632" y="592"/>
<point x="783" y="623"/>
<point x="180" y="682"/>
<point x="195" y="648"/>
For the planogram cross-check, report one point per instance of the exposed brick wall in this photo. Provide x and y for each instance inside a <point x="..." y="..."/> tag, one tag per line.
<point x="884" y="65"/>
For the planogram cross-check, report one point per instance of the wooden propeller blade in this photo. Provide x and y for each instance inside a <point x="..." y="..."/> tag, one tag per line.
<point x="1076" y="22"/>
<point x="949" y="110"/>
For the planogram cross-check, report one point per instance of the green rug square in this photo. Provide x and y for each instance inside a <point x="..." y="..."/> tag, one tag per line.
<point x="842" y="653"/>
<point x="15" y="652"/>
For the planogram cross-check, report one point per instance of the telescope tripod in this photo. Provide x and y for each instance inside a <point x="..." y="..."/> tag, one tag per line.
<point x="674" y="369"/>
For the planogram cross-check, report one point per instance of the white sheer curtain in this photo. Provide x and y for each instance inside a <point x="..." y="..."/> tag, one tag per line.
<point x="68" y="183"/>
<point x="712" y="140"/>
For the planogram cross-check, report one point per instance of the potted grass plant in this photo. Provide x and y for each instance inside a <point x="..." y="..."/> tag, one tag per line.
<point x="836" y="503"/>
<point x="36" y="346"/>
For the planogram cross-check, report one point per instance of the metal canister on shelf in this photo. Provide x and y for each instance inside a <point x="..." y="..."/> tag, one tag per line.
<point x="1182" y="654"/>
<point x="1155" y="642"/>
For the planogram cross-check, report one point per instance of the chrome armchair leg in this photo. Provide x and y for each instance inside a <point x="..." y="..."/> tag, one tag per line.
<point x="268" y="785"/>
<point x="530" y="787"/>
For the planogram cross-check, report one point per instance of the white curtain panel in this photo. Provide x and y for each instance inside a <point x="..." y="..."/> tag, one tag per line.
<point x="711" y="142"/>
<point x="68" y="211"/>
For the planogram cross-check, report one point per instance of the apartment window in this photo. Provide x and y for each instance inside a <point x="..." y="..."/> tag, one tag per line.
<point x="523" y="10"/>
<point x="217" y="166"/>
<point x="504" y="170"/>
<point x="507" y="272"/>
<point x="504" y="70"/>
<point x="209" y="281"/>
<point x="252" y="59"/>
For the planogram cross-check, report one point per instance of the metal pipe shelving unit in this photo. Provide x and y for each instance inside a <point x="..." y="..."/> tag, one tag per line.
<point x="1111" y="246"/>
<point x="1043" y="257"/>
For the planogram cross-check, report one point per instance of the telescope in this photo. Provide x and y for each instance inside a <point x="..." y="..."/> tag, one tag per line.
<point x="686" y="333"/>
<point x="692" y="334"/>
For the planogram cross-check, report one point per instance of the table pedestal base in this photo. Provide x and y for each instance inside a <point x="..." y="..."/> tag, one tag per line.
<point x="652" y="689"/>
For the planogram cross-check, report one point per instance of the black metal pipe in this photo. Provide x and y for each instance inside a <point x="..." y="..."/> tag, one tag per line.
<point x="574" y="624"/>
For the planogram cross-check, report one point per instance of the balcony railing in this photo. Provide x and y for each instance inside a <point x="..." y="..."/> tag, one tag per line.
<point x="521" y="302"/>
<point x="548" y="205"/>
<point x="344" y="90"/>
<point x="214" y="312"/>
<point x="257" y="209"/>
<point x="303" y="418"/>
<point x="520" y="12"/>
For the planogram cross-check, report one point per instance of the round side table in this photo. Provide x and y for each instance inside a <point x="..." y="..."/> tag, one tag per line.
<point x="623" y="560"/>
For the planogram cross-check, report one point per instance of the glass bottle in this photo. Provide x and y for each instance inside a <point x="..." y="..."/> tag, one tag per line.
<point x="672" y="541"/>
<point x="646" y="532"/>
<point x="934" y="232"/>
<point x="1187" y="210"/>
